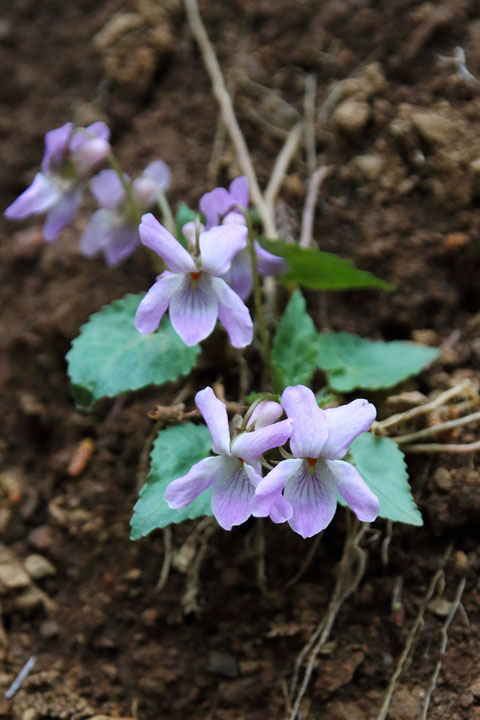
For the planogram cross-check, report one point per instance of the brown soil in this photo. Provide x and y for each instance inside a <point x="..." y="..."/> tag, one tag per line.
<point x="402" y="200"/>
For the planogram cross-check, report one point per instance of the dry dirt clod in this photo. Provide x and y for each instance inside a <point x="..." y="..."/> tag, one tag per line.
<point x="12" y="575"/>
<point x="443" y="479"/>
<point x="351" y="117"/>
<point x="38" y="567"/>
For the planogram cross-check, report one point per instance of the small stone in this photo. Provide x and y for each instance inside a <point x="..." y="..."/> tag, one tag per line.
<point x="29" y="600"/>
<point x="443" y="479"/>
<point x="440" y="606"/>
<point x="12" y="575"/>
<point x="466" y="700"/>
<point x="371" y="166"/>
<point x="41" y="537"/>
<point x="49" y="629"/>
<point x="38" y="567"/>
<point x="351" y="117"/>
<point x="461" y="562"/>
<point x="132" y="576"/>
<point x="222" y="664"/>
<point x="426" y="337"/>
<point x="433" y="127"/>
<point x="475" y="688"/>
<point x="30" y="714"/>
<point x="150" y="616"/>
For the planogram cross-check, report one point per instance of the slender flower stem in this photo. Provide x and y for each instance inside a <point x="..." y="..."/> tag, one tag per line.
<point x="435" y="429"/>
<point x="257" y="297"/>
<point x="167" y="215"/>
<point x="127" y="185"/>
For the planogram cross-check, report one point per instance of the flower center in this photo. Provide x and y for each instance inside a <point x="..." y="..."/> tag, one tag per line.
<point x="312" y="461"/>
<point x="196" y="275"/>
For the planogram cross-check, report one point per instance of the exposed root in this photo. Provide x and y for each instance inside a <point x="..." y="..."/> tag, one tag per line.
<point x="190" y="602"/>
<point x="352" y="553"/>
<point x="436" y="580"/>
<point x="306" y="563"/>
<point x="443" y="647"/>
<point x="282" y="162"/>
<point x="386" y="542"/>
<point x="308" y="215"/>
<point x="167" y="560"/>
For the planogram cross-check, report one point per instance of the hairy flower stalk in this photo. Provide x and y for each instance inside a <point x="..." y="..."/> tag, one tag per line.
<point x="311" y="479"/>
<point x="235" y="471"/>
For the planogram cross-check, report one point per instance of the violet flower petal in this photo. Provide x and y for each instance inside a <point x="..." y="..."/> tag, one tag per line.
<point x="233" y="314"/>
<point x="42" y="194"/>
<point x="156" y="237"/>
<point x="160" y="173"/>
<point x="107" y="189"/>
<point x="231" y="495"/>
<point x="239" y="191"/>
<point x="215" y="415"/>
<point x="194" y="309"/>
<point x="61" y="213"/>
<point x="240" y="276"/>
<point x="181" y="492"/>
<point x="310" y="428"/>
<point x="97" y="232"/>
<point x="271" y="486"/>
<point x="97" y="130"/>
<point x="345" y="423"/>
<point x="89" y="154"/>
<point x="219" y="245"/>
<point x="265" y="413"/>
<point x="214" y="205"/>
<point x="152" y="307"/>
<point x="313" y="501"/>
<point x="122" y="242"/>
<point x="354" y="490"/>
<point x="251" y="445"/>
<point x="281" y="510"/>
<point x="56" y="145"/>
<point x="269" y="264"/>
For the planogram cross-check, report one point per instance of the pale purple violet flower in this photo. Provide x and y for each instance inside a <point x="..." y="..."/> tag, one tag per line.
<point x="235" y="471"/>
<point x="220" y="207"/>
<point x="319" y="439"/>
<point x="192" y="287"/>
<point x="113" y="230"/>
<point x="70" y="155"/>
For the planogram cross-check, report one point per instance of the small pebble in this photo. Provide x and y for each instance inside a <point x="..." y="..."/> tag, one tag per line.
<point x="443" y="479"/>
<point x="38" y="567"/>
<point x="461" y="562"/>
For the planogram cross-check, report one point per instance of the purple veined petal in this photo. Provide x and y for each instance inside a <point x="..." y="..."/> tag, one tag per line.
<point x="233" y="314"/>
<point x="215" y="415"/>
<point x="309" y="423"/>
<point x="240" y="276"/>
<point x="265" y="413"/>
<point x="270" y="488"/>
<point x="184" y="490"/>
<point x="194" y="309"/>
<point x="239" y="191"/>
<point x="108" y="189"/>
<point x="354" y="490"/>
<point x="231" y="495"/>
<point x="215" y="205"/>
<point x="158" y="239"/>
<point x="313" y="501"/>
<point x="90" y="153"/>
<point x="61" y="213"/>
<point x="42" y="195"/>
<point x="219" y="245"/>
<point x="281" y="510"/>
<point x="160" y="173"/>
<point x="251" y="445"/>
<point x="269" y="264"/>
<point x="152" y="307"/>
<point x="97" y="233"/>
<point x="345" y="423"/>
<point x="56" y="145"/>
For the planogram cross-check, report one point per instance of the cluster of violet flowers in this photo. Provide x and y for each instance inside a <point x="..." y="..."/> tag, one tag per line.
<point x="209" y="279"/>
<point x="301" y="489"/>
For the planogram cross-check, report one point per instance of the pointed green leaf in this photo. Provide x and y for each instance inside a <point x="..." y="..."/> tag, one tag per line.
<point x="353" y="362"/>
<point x="110" y="356"/>
<point x="295" y="348"/>
<point x="381" y="464"/>
<point x="319" y="270"/>
<point x="174" y="452"/>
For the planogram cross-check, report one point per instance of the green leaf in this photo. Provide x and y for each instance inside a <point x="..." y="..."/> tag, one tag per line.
<point x="295" y="348"/>
<point x="322" y="270"/>
<point x="174" y="452"/>
<point x="354" y="362"/>
<point x="110" y="356"/>
<point x="250" y="399"/>
<point x="381" y="464"/>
